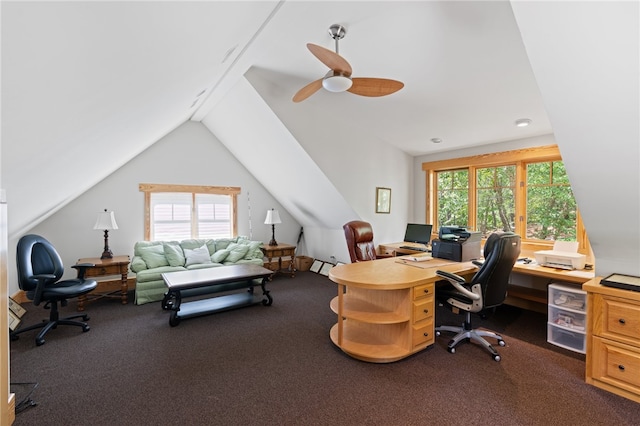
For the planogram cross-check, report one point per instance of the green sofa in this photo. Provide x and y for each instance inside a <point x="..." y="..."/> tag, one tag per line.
<point x="152" y="258"/>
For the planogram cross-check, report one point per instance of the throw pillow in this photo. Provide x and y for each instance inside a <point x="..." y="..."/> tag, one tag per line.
<point x="220" y="256"/>
<point x="236" y="252"/>
<point x="153" y="256"/>
<point x="254" y="251"/>
<point x="195" y="256"/>
<point x="174" y="254"/>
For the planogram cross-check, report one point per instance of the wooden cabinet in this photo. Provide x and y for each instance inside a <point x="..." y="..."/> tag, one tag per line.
<point x="279" y="258"/>
<point x="422" y="320"/>
<point x="613" y="339"/>
<point x="102" y="268"/>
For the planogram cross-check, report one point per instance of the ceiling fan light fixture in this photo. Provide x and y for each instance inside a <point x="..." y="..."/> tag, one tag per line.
<point x="337" y="83"/>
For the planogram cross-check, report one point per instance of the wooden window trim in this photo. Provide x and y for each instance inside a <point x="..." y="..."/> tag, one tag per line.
<point x="519" y="157"/>
<point x="149" y="188"/>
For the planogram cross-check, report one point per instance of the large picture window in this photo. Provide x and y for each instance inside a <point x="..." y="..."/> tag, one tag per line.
<point x="178" y="212"/>
<point x="524" y="191"/>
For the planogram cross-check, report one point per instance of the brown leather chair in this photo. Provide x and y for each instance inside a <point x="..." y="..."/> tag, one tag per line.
<point x="359" y="235"/>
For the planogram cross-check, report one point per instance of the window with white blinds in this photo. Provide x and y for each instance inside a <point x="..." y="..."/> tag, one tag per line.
<point x="178" y="212"/>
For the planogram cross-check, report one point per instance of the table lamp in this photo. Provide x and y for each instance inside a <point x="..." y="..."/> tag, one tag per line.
<point x="106" y="221"/>
<point x="272" y="218"/>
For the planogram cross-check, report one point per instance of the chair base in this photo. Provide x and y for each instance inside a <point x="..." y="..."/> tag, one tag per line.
<point x="466" y="333"/>
<point x="46" y="326"/>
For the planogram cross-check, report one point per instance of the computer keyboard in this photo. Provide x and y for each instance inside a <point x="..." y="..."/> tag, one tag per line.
<point x="424" y="249"/>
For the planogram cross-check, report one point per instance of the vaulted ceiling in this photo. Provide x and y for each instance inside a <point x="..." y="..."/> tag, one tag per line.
<point x="105" y="80"/>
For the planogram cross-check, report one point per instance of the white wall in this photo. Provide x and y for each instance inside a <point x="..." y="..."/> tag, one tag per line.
<point x="189" y="155"/>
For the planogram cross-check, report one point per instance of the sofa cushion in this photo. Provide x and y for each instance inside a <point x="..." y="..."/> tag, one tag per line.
<point x="153" y="256"/>
<point x="174" y="254"/>
<point x="236" y="252"/>
<point x="223" y="243"/>
<point x="219" y="256"/>
<point x="199" y="255"/>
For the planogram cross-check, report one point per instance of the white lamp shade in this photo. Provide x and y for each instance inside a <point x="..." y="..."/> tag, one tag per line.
<point x="106" y="220"/>
<point x="273" y="217"/>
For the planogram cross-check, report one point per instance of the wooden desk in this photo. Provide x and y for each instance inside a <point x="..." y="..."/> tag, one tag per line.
<point x="534" y="295"/>
<point x="385" y="308"/>
<point x="118" y="265"/>
<point x="523" y="296"/>
<point x="394" y="249"/>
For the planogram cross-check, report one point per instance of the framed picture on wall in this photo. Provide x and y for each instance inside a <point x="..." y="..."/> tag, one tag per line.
<point x="383" y="200"/>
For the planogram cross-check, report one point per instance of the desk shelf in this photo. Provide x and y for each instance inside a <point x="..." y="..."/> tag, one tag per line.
<point x="362" y="310"/>
<point x="377" y="344"/>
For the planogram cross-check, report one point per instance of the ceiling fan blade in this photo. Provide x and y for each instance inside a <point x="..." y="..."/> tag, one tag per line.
<point x="307" y="90"/>
<point x="373" y="87"/>
<point x="330" y="59"/>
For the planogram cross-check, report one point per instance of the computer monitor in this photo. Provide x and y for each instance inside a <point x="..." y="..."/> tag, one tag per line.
<point x="418" y="233"/>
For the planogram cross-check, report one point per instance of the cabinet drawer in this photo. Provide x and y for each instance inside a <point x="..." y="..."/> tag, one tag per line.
<point x="423" y="334"/>
<point x="423" y="309"/>
<point x="617" y="319"/>
<point x="98" y="271"/>
<point x="616" y="364"/>
<point x="423" y="291"/>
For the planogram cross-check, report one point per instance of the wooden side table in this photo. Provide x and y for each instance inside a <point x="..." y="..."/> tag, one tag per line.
<point x="118" y="265"/>
<point x="281" y="266"/>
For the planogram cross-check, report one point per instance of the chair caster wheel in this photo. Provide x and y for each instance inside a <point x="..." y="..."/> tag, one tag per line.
<point x="85" y="328"/>
<point x="496" y="358"/>
<point x="501" y="342"/>
<point x="437" y="333"/>
<point x="451" y="350"/>
<point x="39" y="342"/>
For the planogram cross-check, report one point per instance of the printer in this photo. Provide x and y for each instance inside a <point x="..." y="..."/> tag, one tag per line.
<point x="563" y="256"/>
<point x="457" y="244"/>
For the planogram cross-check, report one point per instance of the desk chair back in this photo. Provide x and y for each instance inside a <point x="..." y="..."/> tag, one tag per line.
<point x="501" y="251"/>
<point x="359" y="235"/>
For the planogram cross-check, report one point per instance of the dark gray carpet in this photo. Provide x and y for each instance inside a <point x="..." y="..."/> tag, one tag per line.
<point x="277" y="366"/>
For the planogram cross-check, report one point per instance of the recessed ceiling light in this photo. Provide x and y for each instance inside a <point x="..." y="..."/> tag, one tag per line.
<point x="436" y="140"/>
<point x="523" y="122"/>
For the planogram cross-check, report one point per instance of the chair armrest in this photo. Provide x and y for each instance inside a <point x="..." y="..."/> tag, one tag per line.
<point x="82" y="269"/>
<point x="42" y="281"/>
<point x="457" y="281"/>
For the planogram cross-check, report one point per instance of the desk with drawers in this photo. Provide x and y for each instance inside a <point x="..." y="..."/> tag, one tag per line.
<point x="613" y="339"/>
<point x="386" y="308"/>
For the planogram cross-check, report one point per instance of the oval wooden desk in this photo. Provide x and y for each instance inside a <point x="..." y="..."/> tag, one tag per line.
<point x="385" y="307"/>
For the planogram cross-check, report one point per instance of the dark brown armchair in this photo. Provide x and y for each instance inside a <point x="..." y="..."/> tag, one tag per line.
<point x="359" y="235"/>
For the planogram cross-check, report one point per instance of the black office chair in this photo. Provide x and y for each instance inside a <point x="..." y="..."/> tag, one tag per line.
<point x="39" y="271"/>
<point x="486" y="290"/>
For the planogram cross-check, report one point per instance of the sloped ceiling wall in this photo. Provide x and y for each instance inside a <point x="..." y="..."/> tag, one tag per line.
<point x="586" y="59"/>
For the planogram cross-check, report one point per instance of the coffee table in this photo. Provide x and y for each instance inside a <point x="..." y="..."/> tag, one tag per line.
<point x="214" y="280"/>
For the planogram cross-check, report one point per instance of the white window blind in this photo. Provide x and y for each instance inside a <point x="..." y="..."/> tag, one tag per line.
<point x="179" y="216"/>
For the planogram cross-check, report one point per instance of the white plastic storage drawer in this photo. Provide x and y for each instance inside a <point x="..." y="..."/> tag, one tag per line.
<point x="565" y="297"/>
<point x="568" y="339"/>
<point x="569" y="319"/>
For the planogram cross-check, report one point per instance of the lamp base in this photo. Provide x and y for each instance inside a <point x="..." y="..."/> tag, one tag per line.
<point x="107" y="254"/>
<point x="273" y="242"/>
